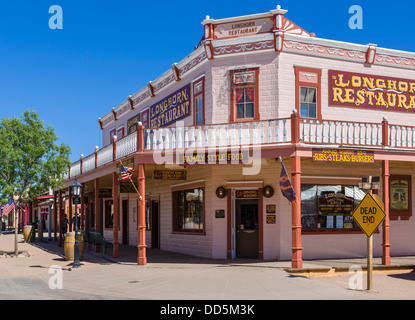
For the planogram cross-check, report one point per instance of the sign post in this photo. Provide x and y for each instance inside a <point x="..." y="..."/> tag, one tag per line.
<point x="369" y="214"/>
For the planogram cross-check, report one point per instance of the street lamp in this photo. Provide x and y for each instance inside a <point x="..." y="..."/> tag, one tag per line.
<point x="76" y="192"/>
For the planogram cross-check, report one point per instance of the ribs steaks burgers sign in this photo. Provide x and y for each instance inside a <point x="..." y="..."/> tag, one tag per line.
<point x="357" y="90"/>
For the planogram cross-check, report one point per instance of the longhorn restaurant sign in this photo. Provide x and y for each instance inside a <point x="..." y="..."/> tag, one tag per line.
<point x="171" y="109"/>
<point x="349" y="89"/>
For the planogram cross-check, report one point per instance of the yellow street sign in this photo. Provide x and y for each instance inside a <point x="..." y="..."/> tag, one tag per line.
<point x="369" y="214"/>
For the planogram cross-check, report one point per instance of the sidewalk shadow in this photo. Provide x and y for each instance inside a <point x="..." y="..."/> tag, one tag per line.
<point x="53" y="248"/>
<point x="404" y="276"/>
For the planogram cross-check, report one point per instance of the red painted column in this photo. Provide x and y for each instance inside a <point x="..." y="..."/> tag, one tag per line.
<point x="25" y="215"/>
<point x="55" y="216"/>
<point x="142" y="247"/>
<point x="116" y="213"/>
<point x="97" y="210"/>
<point x="260" y="225"/>
<point x="70" y="210"/>
<point x="297" y="259"/>
<point x="386" y="259"/>
<point x="82" y="213"/>
<point x="60" y="218"/>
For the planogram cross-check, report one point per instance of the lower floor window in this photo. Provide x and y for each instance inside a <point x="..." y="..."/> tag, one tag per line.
<point x="188" y="210"/>
<point x="329" y="207"/>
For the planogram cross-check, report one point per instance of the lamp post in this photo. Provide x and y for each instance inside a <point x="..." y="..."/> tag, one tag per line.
<point x="76" y="191"/>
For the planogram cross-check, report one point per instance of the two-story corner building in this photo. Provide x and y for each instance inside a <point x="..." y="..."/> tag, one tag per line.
<point x="206" y="137"/>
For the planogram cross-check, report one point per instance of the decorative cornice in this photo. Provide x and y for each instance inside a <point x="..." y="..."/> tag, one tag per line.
<point x="294" y="39"/>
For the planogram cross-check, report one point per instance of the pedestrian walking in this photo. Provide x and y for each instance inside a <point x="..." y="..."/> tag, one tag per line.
<point x="65" y="225"/>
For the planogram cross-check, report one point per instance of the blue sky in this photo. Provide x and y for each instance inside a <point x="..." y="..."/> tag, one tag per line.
<point x="108" y="50"/>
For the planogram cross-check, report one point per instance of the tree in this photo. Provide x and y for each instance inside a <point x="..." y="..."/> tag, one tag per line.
<point x="30" y="160"/>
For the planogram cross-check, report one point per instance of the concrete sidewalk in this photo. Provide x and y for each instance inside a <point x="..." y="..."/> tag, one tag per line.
<point x="156" y="257"/>
<point x="181" y="277"/>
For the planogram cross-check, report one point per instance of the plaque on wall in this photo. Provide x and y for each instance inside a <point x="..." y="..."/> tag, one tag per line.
<point x="219" y="214"/>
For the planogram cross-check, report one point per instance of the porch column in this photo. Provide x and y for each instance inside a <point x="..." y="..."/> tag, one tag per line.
<point x="96" y="204"/>
<point x="55" y="216"/>
<point x="70" y="209"/>
<point x="297" y="259"/>
<point x="142" y="253"/>
<point x="260" y="225"/>
<point x="386" y="259"/>
<point x="82" y="213"/>
<point x="60" y="217"/>
<point x="115" y="218"/>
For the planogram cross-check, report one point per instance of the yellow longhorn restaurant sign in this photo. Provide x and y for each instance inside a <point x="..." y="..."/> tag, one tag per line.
<point x="349" y="89"/>
<point x="369" y="214"/>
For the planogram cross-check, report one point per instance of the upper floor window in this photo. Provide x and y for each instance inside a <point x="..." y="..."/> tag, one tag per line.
<point x="308" y="92"/>
<point x="244" y="94"/>
<point x="308" y="102"/>
<point x="199" y="101"/>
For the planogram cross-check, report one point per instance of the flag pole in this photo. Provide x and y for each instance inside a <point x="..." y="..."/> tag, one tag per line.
<point x="139" y="195"/>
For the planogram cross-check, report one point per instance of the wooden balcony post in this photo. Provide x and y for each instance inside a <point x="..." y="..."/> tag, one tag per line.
<point x="142" y="247"/>
<point x="295" y="127"/>
<point x="115" y="220"/>
<point x="386" y="259"/>
<point x="55" y="216"/>
<point x="70" y="209"/>
<point x="97" y="206"/>
<point x="296" y="260"/>
<point x="82" y="214"/>
<point x="60" y="217"/>
<point x="140" y="137"/>
<point x="385" y="132"/>
<point x="114" y="148"/>
<point x="96" y="157"/>
<point x="81" y="162"/>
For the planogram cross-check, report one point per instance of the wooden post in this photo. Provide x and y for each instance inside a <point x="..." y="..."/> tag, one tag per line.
<point x="70" y="209"/>
<point x="386" y="259"/>
<point x="115" y="218"/>
<point x="16" y="250"/>
<point x="369" y="263"/>
<point x="142" y="253"/>
<point x="97" y="205"/>
<point x="55" y="216"/>
<point x="60" y="218"/>
<point x="82" y="213"/>
<point x="370" y="254"/>
<point x="297" y="260"/>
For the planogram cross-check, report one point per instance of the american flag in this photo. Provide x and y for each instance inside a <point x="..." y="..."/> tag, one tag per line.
<point x="126" y="172"/>
<point x="8" y="208"/>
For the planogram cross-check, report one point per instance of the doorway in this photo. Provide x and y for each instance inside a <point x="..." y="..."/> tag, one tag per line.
<point x="155" y="224"/>
<point x="247" y="228"/>
<point x="125" y="222"/>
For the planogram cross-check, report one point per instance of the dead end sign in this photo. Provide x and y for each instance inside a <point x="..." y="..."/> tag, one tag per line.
<point x="369" y="214"/>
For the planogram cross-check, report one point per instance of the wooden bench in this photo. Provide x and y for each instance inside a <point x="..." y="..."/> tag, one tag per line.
<point x="96" y="239"/>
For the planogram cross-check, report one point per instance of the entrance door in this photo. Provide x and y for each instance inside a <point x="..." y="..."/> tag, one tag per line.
<point x="155" y="224"/>
<point x="125" y="222"/>
<point x="247" y="231"/>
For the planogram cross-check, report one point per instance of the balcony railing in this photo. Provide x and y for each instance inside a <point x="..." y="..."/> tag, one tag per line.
<point x="268" y="132"/>
<point x="221" y="135"/>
